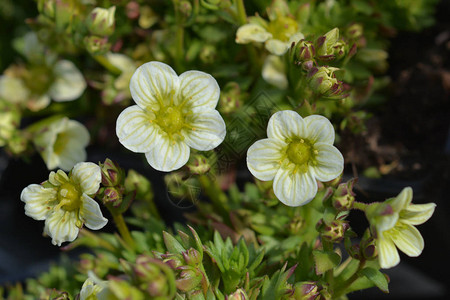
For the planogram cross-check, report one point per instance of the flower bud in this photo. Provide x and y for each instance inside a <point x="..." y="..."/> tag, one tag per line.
<point x="139" y="183"/>
<point x="47" y="8"/>
<point x="368" y="248"/>
<point x="230" y="98"/>
<point x="9" y="122"/>
<point x="333" y="231"/>
<point x="185" y="8"/>
<point x="355" y="31"/>
<point x="323" y="81"/>
<point x="306" y="290"/>
<point x="239" y="294"/>
<point x="208" y="54"/>
<point x="192" y="257"/>
<point x="325" y="43"/>
<point x="172" y="260"/>
<point x="154" y="277"/>
<point x="101" y="21"/>
<point x="303" y="51"/>
<point x="189" y="279"/>
<point x="198" y="164"/>
<point x="96" y="44"/>
<point x="344" y="196"/>
<point x="111" y="196"/>
<point x="112" y="174"/>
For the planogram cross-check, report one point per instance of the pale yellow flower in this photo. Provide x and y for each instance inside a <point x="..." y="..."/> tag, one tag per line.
<point x="277" y="34"/>
<point x="62" y="143"/>
<point x="392" y="223"/>
<point x="173" y="114"/>
<point x="274" y="72"/>
<point x="65" y="202"/>
<point x="297" y="152"/>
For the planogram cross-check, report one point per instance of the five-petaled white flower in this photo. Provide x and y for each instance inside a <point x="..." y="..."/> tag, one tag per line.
<point x="296" y="153"/>
<point x="173" y="114"/>
<point x="65" y="202"/>
<point x="392" y="224"/>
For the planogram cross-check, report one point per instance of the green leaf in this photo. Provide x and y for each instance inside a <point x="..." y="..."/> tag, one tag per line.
<point x="376" y="277"/>
<point x="172" y="244"/>
<point x="325" y="260"/>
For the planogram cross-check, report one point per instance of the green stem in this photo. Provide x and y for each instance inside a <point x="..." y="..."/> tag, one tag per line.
<point x="101" y="59"/>
<point x="242" y="19"/>
<point x="360" y="206"/>
<point x="346" y="284"/>
<point x="123" y="229"/>
<point x="154" y="210"/>
<point x="213" y="191"/>
<point x="328" y="247"/>
<point x="179" y="47"/>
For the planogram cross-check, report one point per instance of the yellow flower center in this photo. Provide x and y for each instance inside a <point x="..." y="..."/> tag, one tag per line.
<point x="60" y="143"/>
<point x="300" y="152"/>
<point x="170" y="119"/>
<point x="68" y="197"/>
<point x="282" y="28"/>
<point x="39" y="79"/>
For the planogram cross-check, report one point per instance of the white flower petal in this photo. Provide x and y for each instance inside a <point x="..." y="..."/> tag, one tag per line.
<point x="252" y="33"/>
<point x="387" y="253"/>
<point x="71" y="156"/>
<point x="403" y="200"/>
<point x="273" y="72"/>
<point x="121" y="61"/>
<point x="37" y="199"/>
<point x="88" y="175"/>
<point x="198" y="90"/>
<point x="294" y="189"/>
<point x="276" y="47"/>
<point x="91" y="214"/>
<point x="416" y="214"/>
<point x="208" y="131"/>
<point x="37" y="103"/>
<point x="319" y="129"/>
<point x="13" y="89"/>
<point x="168" y="155"/>
<point x="408" y="239"/>
<point x="330" y="162"/>
<point x="264" y="158"/>
<point x="153" y="83"/>
<point x="285" y="124"/>
<point x="135" y="129"/>
<point x="61" y="226"/>
<point x="386" y="222"/>
<point x="69" y="83"/>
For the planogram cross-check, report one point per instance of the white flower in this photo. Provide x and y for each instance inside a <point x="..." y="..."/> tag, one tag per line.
<point x="101" y="21"/>
<point x="296" y="153"/>
<point x="173" y="114"/>
<point x="392" y="223"/>
<point x="61" y="143"/>
<point x="90" y="289"/>
<point x="68" y="84"/>
<point x="65" y="202"/>
<point x="274" y="73"/>
<point x="277" y="35"/>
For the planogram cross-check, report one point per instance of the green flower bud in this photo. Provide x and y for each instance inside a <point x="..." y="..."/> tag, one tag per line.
<point x="189" y="279"/>
<point x="230" y="98"/>
<point x="333" y="231"/>
<point x="303" y="51"/>
<point x="239" y="294"/>
<point x="47" y="8"/>
<point x="354" y="31"/>
<point x="325" y="43"/>
<point x="208" y="54"/>
<point x="9" y="122"/>
<point x="344" y="196"/>
<point x="172" y="260"/>
<point x="323" y="81"/>
<point x="368" y="248"/>
<point x="112" y="174"/>
<point x="111" y="196"/>
<point x="192" y="257"/>
<point x="306" y="290"/>
<point x="96" y="44"/>
<point x="101" y="21"/>
<point x="185" y="8"/>
<point x="198" y="164"/>
<point x="154" y="277"/>
<point x="139" y="183"/>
